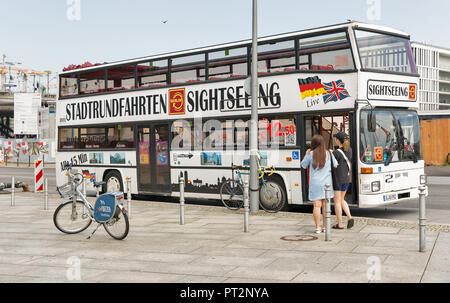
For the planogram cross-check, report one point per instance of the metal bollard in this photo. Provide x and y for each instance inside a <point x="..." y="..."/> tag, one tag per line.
<point x="129" y="196"/>
<point x="181" y="200"/>
<point x="13" y="184"/>
<point x="246" y="206"/>
<point x="422" y="219"/>
<point x="45" y="194"/>
<point x="327" y="211"/>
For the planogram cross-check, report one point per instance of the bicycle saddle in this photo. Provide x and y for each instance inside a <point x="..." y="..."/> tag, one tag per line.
<point x="99" y="183"/>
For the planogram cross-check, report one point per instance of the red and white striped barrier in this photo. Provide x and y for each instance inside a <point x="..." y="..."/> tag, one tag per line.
<point x="38" y="176"/>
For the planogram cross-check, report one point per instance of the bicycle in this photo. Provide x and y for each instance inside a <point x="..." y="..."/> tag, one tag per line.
<point x="108" y="210"/>
<point x="232" y="191"/>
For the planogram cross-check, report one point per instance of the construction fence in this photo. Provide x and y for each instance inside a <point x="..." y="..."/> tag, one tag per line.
<point x="435" y="136"/>
<point x="14" y="151"/>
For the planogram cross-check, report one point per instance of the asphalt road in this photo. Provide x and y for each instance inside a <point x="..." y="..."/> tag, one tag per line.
<point x="26" y="175"/>
<point x="438" y="201"/>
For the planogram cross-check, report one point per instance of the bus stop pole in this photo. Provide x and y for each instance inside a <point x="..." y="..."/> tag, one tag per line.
<point x="253" y="136"/>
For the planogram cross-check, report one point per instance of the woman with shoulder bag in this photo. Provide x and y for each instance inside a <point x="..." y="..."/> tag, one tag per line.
<point x="343" y="178"/>
<point x="319" y="162"/>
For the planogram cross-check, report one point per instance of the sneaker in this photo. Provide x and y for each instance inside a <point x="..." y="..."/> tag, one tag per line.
<point x="318" y="231"/>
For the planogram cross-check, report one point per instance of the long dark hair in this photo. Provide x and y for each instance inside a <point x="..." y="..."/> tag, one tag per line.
<point x="319" y="155"/>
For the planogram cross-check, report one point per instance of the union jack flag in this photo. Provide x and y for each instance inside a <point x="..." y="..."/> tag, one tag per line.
<point x="335" y="91"/>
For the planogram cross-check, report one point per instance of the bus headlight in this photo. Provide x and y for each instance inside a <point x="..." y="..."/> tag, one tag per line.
<point x="423" y="179"/>
<point x="376" y="186"/>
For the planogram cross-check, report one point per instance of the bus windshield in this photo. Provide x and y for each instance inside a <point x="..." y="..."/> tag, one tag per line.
<point x="383" y="52"/>
<point x="396" y="138"/>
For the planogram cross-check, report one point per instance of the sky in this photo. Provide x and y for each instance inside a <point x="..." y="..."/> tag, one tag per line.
<point x="52" y="34"/>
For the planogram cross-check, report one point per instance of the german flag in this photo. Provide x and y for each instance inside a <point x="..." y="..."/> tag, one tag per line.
<point x="311" y="87"/>
<point x="86" y="174"/>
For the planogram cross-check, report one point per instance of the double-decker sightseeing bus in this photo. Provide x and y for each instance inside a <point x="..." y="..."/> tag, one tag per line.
<point x="186" y="113"/>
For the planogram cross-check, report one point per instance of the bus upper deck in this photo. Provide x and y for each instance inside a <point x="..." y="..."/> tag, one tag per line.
<point x="343" y="48"/>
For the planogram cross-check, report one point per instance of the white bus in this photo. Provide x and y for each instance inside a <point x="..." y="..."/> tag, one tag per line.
<point x="186" y="113"/>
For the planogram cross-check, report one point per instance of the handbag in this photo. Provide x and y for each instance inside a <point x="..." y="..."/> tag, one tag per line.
<point x="333" y="173"/>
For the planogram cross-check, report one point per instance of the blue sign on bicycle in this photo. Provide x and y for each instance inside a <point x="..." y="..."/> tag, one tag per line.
<point x="104" y="208"/>
<point x="295" y="155"/>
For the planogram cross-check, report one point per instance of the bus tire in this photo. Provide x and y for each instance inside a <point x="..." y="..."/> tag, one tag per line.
<point x="112" y="179"/>
<point x="276" y="187"/>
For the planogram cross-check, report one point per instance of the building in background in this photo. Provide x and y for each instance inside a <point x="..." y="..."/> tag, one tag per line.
<point x="433" y="64"/>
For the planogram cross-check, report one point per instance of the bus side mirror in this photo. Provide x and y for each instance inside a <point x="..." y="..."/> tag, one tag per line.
<point x="372" y="122"/>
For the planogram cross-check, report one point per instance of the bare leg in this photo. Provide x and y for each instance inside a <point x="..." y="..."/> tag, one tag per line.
<point x="345" y="207"/>
<point x="316" y="213"/>
<point x="338" y="197"/>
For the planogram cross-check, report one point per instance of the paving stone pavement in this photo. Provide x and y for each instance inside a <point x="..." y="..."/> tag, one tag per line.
<point x="212" y="247"/>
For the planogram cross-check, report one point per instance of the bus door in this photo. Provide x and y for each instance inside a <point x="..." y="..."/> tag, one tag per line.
<point x="326" y="125"/>
<point x="153" y="158"/>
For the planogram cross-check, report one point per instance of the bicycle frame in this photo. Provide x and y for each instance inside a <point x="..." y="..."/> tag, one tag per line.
<point x="77" y="193"/>
<point x="86" y="203"/>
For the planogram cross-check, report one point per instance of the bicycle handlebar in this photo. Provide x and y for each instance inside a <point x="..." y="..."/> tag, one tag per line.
<point x="73" y="177"/>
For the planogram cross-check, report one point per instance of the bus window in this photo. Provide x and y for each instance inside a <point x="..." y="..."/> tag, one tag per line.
<point x="92" y="82"/>
<point x="68" y="138"/>
<point x="227" y="63"/>
<point x="326" y="52"/>
<point x="121" y="78"/>
<point x="152" y="73"/>
<point x="213" y="133"/>
<point x="241" y="134"/>
<point x="385" y="52"/>
<point x="120" y="137"/>
<point x="182" y="135"/>
<point x="277" y="131"/>
<point x="304" y="62"/>
<point x="69" y="85"/>
<point x="333" y="60"/>
<point x="396" y="138"/>
<point x="188" y="69"/>
<point x="276" y="57"/>
<point x="92" y="138"/>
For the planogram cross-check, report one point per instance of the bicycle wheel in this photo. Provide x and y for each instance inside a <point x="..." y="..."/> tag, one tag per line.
<point x="72" y="220"/>
<point x="119" y="226"/>
<point x="271" y="196"/>
<point x="232" y="195"/>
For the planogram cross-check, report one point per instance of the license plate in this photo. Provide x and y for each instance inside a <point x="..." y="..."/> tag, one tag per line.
<point x="390" y="197"/>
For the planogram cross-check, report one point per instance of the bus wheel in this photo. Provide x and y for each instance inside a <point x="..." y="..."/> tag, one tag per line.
<point x="113" y="182"/>
<point x="272" y="196"/>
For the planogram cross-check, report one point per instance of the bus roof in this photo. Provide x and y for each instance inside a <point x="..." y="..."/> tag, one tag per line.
<point x="350" y="24"/>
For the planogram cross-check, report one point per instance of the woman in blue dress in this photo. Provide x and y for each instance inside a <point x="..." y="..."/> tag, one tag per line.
<point x="319" y="161"/>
